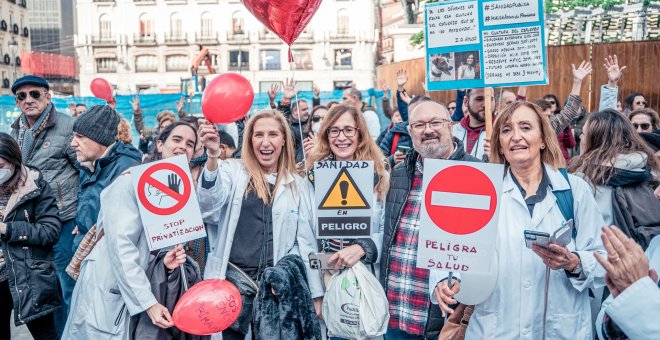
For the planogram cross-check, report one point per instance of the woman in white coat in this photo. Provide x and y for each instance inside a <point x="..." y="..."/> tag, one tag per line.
<point x="344" y="136"/>
<point x="113" y="284"/>
<point x="262" y="189"/>
<point x="525" y="142"/>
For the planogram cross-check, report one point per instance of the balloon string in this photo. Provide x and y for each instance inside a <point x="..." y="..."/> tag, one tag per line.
<point x="290" y="56"/>
<point x="292" y="66"/>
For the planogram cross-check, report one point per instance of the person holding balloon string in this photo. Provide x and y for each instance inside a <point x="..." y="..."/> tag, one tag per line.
<point x="112" y="283"/>
<point x="260" y="207"/>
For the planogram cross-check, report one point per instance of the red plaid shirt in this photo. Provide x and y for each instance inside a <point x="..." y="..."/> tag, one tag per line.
<point x="407" y="285"/>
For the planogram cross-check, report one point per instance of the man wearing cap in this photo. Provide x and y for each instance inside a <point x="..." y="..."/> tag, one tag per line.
<point x="102" y="159"/>
<point x="44" y="136"/>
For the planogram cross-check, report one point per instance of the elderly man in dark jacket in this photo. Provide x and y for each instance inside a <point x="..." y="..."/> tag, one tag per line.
<point x="44" y="135"/>
<point x="412" y="316"/>
<point x="102" y="159"/>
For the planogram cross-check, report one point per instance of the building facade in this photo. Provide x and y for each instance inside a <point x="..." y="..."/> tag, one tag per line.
<point x="14" y="38"/>
<point x="52" y="25"/>
<point x="148" y="46"/>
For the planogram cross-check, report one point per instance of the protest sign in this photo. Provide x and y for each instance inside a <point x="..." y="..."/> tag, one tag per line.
<point x="491" y="43"/>
<point x="459" y="215"/>
<point x="344" y="197"/>
<point x="167" y="202"/>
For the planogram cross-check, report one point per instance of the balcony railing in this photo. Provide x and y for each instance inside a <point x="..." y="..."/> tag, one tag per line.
<point x="104" y="40"/>
<point x="208" y="38"/>
<point x="144" y="40"/>
<point x="176" y="39"/>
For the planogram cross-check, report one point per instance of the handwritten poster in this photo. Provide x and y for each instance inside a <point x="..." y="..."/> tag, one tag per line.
<point x="491" y="43"/>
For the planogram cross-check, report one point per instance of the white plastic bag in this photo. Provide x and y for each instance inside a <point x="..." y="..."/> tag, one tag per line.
<point x="355" y="305"/>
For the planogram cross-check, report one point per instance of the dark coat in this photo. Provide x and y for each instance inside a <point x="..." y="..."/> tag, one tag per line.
<point x="33" y="227"/>
<point x="400" y="129"/>
<point x="400" y="185"/>
<point x="55" y="159"/>
<point x="119" y="158"/>
<point x="168" y="289"/>
<point x="289" y="313"/>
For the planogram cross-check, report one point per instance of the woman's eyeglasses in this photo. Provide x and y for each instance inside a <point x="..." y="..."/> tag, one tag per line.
<point x="644" y="126"/>
<point x="641" y="103"/>
<point x="551" y="102"/>
<point x="316" y="118"/>
<point x="348" y="131"/>
<point x="22" y="95"/>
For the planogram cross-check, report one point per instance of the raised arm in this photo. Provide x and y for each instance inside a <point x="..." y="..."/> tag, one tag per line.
<point x="574" y="104"/>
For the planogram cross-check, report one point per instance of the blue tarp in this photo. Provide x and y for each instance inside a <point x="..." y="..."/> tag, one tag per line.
<point x="151" y="104"/>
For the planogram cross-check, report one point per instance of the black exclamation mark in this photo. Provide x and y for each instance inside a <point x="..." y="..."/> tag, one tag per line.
<point x="343" y="187"/>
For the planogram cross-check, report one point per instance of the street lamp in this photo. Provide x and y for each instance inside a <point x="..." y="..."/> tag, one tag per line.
<point x="13" y="46"/>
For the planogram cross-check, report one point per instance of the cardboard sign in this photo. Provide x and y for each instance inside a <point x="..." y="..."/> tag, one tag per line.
<point x="459" y="215"/>
<point x="168" y="204"/>
<point x="344" y="193"/>
<point x="490" y="43"/>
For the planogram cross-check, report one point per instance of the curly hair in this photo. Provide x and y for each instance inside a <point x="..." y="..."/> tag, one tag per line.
<point x="124" y="132"/>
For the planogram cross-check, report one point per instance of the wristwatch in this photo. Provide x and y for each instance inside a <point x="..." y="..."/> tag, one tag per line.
<point x="578" y="269"/>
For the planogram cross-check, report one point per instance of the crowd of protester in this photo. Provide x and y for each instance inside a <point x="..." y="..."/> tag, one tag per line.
<point x="66" y="189"/>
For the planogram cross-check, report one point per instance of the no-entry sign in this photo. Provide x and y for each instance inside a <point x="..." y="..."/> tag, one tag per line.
<point x="459" y="215"/>
<point x="168" y="206"/>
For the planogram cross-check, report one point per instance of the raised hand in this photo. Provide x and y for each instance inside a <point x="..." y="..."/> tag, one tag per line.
<point x="179" y="104"/>
<point x="401" y="78"/>
<point x="614" y="72"/>
<point x="316" y="90"/>
<point x="289" y="88"/>
<point x="582" y="71"/>
<point x="135" y="103"/>
<point x="272" y="93"/>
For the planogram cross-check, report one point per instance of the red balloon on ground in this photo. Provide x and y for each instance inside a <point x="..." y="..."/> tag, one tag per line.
<point x="227" y="98"/>
<point x="286" y="18"/>
<point x="101" y="89"/>
<point x="209" y="307"/>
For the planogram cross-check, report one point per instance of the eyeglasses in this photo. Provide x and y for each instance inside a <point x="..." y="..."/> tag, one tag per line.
<point x="22" y="95"/>
<point x="434" y="124"/>
<point x="452" y="108"/>
<point x="644" y="126"/>
<point x="551" y="102"/>
<point x="316" y="118"/>
<point x="641" y="103"/>
<point x="348" y="131"/>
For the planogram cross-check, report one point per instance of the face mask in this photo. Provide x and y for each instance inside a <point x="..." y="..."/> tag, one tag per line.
<point x="5" y="174"/>
<point x="316" y="127"/>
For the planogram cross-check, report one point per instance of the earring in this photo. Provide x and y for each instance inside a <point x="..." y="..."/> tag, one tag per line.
<point x="542" y="146"/>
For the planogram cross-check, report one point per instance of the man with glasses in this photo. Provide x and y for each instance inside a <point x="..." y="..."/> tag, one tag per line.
<point x="407" y="287"/>
<point x="44" y="136"/>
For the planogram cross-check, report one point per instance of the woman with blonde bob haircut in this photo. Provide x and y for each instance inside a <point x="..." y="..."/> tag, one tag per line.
<point x="344" y="136"/>
<point x="261" y="213"/>
<point x="524" y="141"/>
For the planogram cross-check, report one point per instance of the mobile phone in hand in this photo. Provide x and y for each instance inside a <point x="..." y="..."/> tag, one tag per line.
<point x="536" y="237"/>
<point x="403" y="149"/>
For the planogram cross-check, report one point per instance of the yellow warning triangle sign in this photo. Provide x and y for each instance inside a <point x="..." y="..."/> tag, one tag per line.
<point x="344" y="194"/>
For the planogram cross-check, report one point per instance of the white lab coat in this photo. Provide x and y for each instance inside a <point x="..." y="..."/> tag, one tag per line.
<point x="637" y="309"/>
<point x="515" y="309"/>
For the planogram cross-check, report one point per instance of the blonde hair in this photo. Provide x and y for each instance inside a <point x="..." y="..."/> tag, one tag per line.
<point x="366" y="150"/>
<point x="550" y="155"/>
<point x="124" y="132"/>
<point x="286" y="165"/>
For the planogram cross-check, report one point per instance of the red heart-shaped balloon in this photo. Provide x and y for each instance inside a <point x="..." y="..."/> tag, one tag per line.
<point x="286" y="18"/>
<point x="209" y="307"/>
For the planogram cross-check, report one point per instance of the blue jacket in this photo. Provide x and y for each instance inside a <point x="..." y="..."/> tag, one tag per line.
<point x="119" y="158"/>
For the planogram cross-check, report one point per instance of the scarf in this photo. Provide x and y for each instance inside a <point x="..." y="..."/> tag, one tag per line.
<point x="27" y="134"/>
<point x="622" y="177"/>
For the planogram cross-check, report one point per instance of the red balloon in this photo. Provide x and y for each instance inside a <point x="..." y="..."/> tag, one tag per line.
<point x="227" y="98"/>
<point x="101" y="89"/>
<point x="286" y="18"/>
<point x="209" y="307"/>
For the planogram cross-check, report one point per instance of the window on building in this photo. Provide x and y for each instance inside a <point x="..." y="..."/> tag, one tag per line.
<point x="104" y="65"/>
<point x="146" y="25"/>
<point x="270" y="60"/>
<point x="176" y="29"/>
<point x="343" y="24"/>
<point x="343" y="58"/>
<point x="234" y="59"/>
<point x="342" y="84"/>
<point x="146" y="63"/>
<point x="105" y="26"/>
<point x="178" y="62"/>
<point x="207" y="25"/>
<point x="237" y="23"/>
<point x="303" y="59"/>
